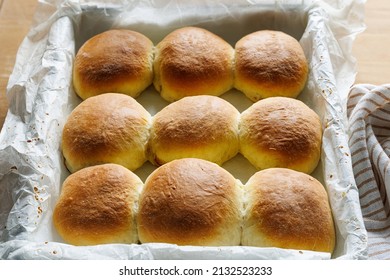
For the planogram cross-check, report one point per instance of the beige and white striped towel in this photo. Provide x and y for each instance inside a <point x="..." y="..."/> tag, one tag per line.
<point x="368" y="110"/>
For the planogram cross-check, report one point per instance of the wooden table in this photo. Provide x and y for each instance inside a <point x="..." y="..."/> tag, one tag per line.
<point x="371" y="48"/>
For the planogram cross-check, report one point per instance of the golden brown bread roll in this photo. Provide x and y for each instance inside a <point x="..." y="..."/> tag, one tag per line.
<point x="287" y="209"/>
<point x="269" y="63"/>
<point x="190" y="202"/>
<point x="281" y="132"/>
<point x="192" y="61"/>
<point x="98" y="205"/>
<point x="108" y="128"/>
<point x="203" y="127"/>
<point x="114" y="61"/>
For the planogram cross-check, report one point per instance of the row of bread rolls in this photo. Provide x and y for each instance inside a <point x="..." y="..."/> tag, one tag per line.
<point x="195" y="202"/>
<point x="115" y="128"/>
<point x="190" y="61"/>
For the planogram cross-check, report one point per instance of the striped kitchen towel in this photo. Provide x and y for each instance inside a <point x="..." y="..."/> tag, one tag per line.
<point x="368" y="110"/>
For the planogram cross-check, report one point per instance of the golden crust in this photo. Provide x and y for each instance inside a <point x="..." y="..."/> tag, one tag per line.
<point x="108" y="128"/>
<point x="190" y="202"/>
<point x="288" y="209"/>
<point x="193" y="61"/>
<point x="281" y="132"/>
<point x="269" y="63"/>
<point x="98" y="205"/>
<point x="114" y="61"/>
<point x="199" y="126"/>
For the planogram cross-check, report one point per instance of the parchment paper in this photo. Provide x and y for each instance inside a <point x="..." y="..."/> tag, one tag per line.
<point x="41" y="97"/>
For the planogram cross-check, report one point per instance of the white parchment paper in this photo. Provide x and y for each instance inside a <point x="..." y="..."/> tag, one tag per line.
<point x="41" y="97"/>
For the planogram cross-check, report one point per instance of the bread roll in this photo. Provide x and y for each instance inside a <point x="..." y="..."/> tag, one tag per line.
<point x="269" y="63"/>
<point x="98" y="205"/>
<point x="108" y="128"/>
<point x="287" y="209"/>
<point x="203" y="127"/>
<point x="192" y="61"/>
<point x="114" y="61"/>
<point x="190" y="202"/>
<point x="281" y="132"/>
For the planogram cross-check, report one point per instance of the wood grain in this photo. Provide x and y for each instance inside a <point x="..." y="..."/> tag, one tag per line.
<point x="371" y="48"/>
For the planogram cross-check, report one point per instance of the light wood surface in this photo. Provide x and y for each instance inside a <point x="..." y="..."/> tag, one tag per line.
<point x="371" y="48"/>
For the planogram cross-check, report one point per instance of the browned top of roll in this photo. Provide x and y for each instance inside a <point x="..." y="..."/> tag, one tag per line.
<point x="187" y="201"/>
<point x="290" y="209"/>
<point x="284" y="126"/>
<point x="271" y="59"/>
<point x="195" y="120"/>
<point x="113" y="57"/>
<point x="193" y="58"/>
<point x="103" y="128"/>
<point x="96" y="205"/>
